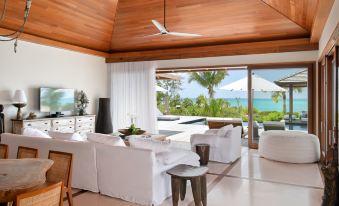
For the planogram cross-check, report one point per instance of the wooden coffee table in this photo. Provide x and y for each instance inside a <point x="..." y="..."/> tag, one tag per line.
<point x="197" y="175"/>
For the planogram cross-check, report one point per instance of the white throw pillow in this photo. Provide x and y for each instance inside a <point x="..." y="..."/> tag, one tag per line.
<point x="171" y="156"/>
<point x="149" y="143"/>
<point x="106" y="139"/>
<point x="222" y="132"/>
<point x="66" y="136"/>
<point x="32" y="132"/>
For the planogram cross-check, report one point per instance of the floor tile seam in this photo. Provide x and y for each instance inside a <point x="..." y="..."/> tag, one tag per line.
<point x="268" y="181"/>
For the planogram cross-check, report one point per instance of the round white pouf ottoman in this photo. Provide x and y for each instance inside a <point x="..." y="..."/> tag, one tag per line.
<point x="289" y="146"/>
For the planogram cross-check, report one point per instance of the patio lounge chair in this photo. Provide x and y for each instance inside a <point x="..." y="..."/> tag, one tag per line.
<point x="304" y="116"/>
<point x="217" y="124"/>
<point x="274" y="126"/>
<point x="287" y="117"/>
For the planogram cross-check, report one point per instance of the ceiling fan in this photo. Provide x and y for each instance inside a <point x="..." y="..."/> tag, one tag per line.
<point x="164" y="31"/>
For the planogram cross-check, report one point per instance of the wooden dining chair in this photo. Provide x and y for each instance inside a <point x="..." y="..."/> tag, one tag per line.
<point x="27" y="152"/>
<point x="50" y="195"/>
<point x="61" y="170"/>
<point x="3" y="151"/>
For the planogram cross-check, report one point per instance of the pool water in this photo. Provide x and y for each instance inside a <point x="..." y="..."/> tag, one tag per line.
<point x="203" y="121"/>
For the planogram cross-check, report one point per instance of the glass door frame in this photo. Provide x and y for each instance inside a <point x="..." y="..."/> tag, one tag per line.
<point x="311" y="94"/>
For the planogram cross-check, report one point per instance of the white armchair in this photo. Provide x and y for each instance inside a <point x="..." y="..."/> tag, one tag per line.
<point x="223" y="148"/>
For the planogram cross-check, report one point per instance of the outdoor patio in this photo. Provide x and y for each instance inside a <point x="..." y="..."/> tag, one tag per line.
<point x="182" y="129"/>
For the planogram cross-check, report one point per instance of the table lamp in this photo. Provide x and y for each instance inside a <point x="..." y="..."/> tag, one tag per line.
<point x="19" y="101"/>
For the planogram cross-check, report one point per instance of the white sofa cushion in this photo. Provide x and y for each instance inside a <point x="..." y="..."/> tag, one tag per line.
<point x="66" y="136"/>
<point x="32" y="132"/>
<point x="150" y="144"/>
<point x="289" y="146"/>
<point x="174" y="155"/>
<point x="223" y="131"/>
<point x="106" y="139"/>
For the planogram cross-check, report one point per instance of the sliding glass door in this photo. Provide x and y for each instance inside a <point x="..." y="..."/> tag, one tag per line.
<point x="278" y="100"/>
<point x="329" y="109"/>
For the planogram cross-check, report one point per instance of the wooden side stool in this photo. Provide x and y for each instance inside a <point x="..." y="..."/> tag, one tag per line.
<point x="197" y="175"/>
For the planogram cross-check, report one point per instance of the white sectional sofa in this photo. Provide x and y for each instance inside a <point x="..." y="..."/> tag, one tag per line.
<point x="132" y="174"/>
<point x="135" y="175"/>
<point x="84" y="156"/>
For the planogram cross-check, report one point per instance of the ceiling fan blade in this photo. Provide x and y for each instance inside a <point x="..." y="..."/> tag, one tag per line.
<point x="183" y="34"/>
<point x="157" y="34"/>
<point x="159" y="26"/>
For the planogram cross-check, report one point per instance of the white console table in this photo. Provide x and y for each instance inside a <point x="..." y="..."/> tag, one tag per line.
<point x="78" y="124"/>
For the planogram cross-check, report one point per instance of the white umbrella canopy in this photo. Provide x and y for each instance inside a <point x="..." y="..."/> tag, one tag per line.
<point x="159" y="89"/>
<point x="259" y="84"/>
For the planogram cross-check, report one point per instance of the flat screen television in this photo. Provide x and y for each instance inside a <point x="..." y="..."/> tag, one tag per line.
<point x="56" y="100"/>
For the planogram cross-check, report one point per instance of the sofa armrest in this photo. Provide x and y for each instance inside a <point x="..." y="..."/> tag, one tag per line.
<point x="212" y="140"/>
<point x="126" y="173"/>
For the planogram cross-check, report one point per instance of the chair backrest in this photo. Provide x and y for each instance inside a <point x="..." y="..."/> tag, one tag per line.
<point x="61" y="170"/>
<point x="274" y="126"/>
<point x="27" y="152"/>
<point x="217" y="124"/>
<point x="48" y="196"/>
<point x="3" y="151"/>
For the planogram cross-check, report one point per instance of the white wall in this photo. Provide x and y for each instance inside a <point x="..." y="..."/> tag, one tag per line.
<point x="241" y="59"/>
<point x="35" y="66"/>
<point x="331" y="23"/>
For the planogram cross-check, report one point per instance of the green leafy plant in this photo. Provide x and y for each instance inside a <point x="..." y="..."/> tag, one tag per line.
<point x="133" y="129"/>
<point x="82" y="103"/>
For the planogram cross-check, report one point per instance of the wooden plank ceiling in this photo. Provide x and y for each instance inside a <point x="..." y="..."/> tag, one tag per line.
<point x="115" y="27"/>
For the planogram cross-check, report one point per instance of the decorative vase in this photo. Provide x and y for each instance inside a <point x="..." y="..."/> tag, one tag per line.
<point x="81" y="112"/>
<point x="104" y="120"/>
<point x="2" y="119"/>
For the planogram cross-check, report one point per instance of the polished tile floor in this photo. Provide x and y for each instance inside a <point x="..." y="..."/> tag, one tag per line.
<point x="251" y="181"/>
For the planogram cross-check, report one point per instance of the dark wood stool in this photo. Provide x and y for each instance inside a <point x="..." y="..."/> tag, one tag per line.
<point x="203" y="150"/>
<point x="197" y="175"/>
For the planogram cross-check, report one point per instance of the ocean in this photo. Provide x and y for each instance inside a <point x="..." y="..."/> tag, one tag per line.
<point x="268" y="105"/>
<point x="263" y="105"/>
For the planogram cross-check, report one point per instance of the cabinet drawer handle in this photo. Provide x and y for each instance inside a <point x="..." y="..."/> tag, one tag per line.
<point x="57" y="122"/>
<point x="29" y="125"/>
<point x="46" y="123"/>
<point x="70" y="127"/>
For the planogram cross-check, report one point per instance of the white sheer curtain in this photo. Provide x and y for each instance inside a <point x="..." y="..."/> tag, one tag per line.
<point x="132" y="92"/>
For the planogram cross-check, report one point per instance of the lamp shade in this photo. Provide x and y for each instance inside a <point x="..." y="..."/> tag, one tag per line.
<point x="19" y="97"/>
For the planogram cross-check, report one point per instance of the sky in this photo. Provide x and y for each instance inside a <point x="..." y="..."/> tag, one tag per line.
<point x="193" y="89"/>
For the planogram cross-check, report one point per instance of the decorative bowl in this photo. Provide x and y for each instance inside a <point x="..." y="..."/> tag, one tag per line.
<point x="126" y="132"/>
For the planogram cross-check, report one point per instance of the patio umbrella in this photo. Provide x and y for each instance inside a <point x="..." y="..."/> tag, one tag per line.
<point x="159" y="89"/>
<point x="259" y="84"/>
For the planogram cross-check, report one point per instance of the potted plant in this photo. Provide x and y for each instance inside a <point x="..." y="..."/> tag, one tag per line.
<point x="82" y="103"/>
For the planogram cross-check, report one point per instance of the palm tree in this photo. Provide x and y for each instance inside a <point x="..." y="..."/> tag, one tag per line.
<point x="277" y="95"/>
<point x="209" y="80"/>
